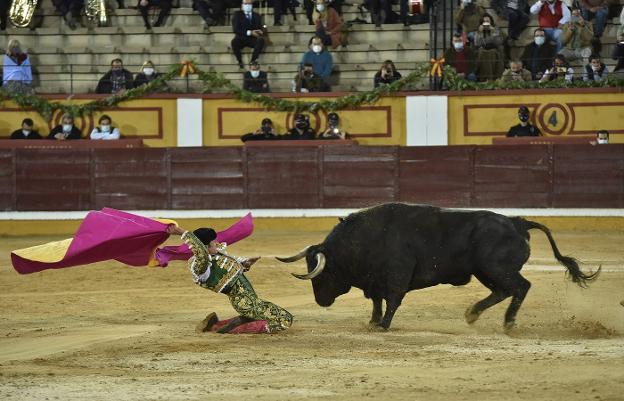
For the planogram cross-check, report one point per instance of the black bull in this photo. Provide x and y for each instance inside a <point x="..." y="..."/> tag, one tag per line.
<point x="394" y="248"/>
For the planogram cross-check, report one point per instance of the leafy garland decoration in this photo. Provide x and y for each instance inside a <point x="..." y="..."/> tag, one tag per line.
<point x="212" y="80"/>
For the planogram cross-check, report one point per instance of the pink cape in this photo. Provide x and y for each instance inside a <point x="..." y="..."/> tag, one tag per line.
<point x="111" y="234"/>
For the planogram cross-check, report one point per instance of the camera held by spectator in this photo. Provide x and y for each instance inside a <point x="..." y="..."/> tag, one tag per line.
<point x="265" y="132"/>
<point x="333" y="130"/>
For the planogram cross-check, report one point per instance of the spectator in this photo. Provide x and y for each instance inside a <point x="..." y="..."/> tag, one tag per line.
<point x="380" y="11"/>
<point x="596" y="70"/>
<point x="65" y="130"/>
<point x="516" y="73"/>
<point x="577" y="36"/>
<point x="538" y="55"/>
<point x="69" y="10"/>
<point x="602" y="137"/>
<point x="247" y="27"/>
<point x="513" y="11"/>
<point x="333" y="130"/>
<point x="462" y="59"/>
<point x="469" y="17"/>
<point x="27" y="131"/>
<point x="387" y="74"/>
<point x="4" y="11"/>
<point x="146" y="74"/>
<point x="551" y="15"/>
<point x="211" y="11"/>
<point x="320" y="59"/>
<point x="16" y="72"/>
<point x="618" y="51"/>
<point x="524" y="128"/>
<point x="165" y="9"/>
<point x="560" y="70"/>
<point x="307" y="80"/>
<point x="489" y="42"/>
<point x="266" y="132"/>
<point x="598" y="9"/>
<point x="255" y="80"/>
<point x="279" y="8"/>
<point x="328" y="24"/>
<point x="105" y="130"/>
<point x="118" y="79"/>
<point x="301" y="130"/>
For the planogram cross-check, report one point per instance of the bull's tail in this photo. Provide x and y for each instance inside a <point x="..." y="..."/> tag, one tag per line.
<point x="571" y="264"/>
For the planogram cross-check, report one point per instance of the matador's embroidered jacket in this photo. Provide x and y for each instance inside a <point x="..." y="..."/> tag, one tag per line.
<point x="214" y="272"/>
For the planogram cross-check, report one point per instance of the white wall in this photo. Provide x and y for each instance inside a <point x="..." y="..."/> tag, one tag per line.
<point x="190" y="122"/>
<point x="426" y="120"/>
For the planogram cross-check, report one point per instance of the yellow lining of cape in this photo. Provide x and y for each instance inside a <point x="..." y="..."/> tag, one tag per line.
<point x="50" y="252"/>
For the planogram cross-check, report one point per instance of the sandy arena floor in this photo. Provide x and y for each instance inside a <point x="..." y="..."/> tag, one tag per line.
<point x="110" y="332"/>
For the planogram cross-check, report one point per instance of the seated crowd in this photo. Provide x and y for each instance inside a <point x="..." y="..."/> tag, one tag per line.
<point x="67" y="130"/>
<point x="301" y="130"/>
<point x="480" y="51"/>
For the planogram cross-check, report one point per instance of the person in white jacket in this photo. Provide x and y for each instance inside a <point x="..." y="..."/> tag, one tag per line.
<point x="105" y="130"/>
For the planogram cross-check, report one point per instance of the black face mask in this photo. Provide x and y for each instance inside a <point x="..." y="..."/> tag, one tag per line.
<point x="301" y="125"/>
<point x="523" y="117"/>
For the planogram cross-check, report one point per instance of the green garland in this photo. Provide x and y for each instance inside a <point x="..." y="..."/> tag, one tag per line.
<point x="216" y="81"/>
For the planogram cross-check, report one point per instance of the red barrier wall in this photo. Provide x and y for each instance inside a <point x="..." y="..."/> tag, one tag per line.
<point x="551" y="175"/>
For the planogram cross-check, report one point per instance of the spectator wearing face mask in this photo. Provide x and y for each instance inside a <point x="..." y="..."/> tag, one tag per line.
<point x="602" y="138"/>
<point x="65" y="130"/>
<point x="320" y="59"/>
<point x="524" y="128"/>
<point x="537" y="56"/>
<point x="577" y="37"/>
<point x="266" y="132"/>
<point x="598" y="9"/>
<point x="27" y="131"/>
<point x="560" y="70"/>
<point x="17" y="72"/>
<point x="596" y="70"/>
<point x="618" y="51"/>
<point x="462" y="59"/>
<point x="513" y="11"/>
<point x="333" y="130"/>
<point x="387" y="74"/>
<point x="328" y="24"/>
<point x="307" y="80"/>
<point x="489" y="43"/>
<point x="105" y="130"/>
<point x="515" y="73"/>
<point x="146" y="74"/>
<point x="248" y="32"/>
<point x="301" y="130"/>
<point x="469" y="17"/>
<point x="255" y="80"/>
<point x="552" y="15"/>
<point x="118" y="79"/>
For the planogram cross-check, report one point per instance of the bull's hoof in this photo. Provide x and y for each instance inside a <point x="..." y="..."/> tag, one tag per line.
<point x="377" y="327"/>
<point x="471" y="316"/>
<point x="509" y="326"/>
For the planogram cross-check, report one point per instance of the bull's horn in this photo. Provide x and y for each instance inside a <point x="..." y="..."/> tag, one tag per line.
<point x="295" y="258"/>
<point x="320" y="265"/>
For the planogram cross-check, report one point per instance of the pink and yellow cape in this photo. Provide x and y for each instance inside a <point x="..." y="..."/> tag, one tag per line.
<point x="111" y="234"/>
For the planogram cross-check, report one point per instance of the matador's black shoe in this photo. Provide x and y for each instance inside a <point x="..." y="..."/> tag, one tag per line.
<point x="206" y="324"/>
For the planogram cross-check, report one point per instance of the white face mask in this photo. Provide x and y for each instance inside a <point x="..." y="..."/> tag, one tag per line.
<point x="247" y="8"/>
<point x="317" y="48"/>
<point x="539" y="40"/>
<point x="148" y="71"/>
<point x="595" y="67"/>
<point x="67" y="127"/>
<point x="26" y="132"/>
<point x="603" y="141"/>
<point x="320" y="7"/>
<point x="458" y="46"/>
<point x="105" y="128"/>
<point x="255" y="73"/>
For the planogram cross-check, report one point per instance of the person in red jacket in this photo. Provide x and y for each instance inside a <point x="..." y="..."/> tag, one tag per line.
<point x="552" y="15"/>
